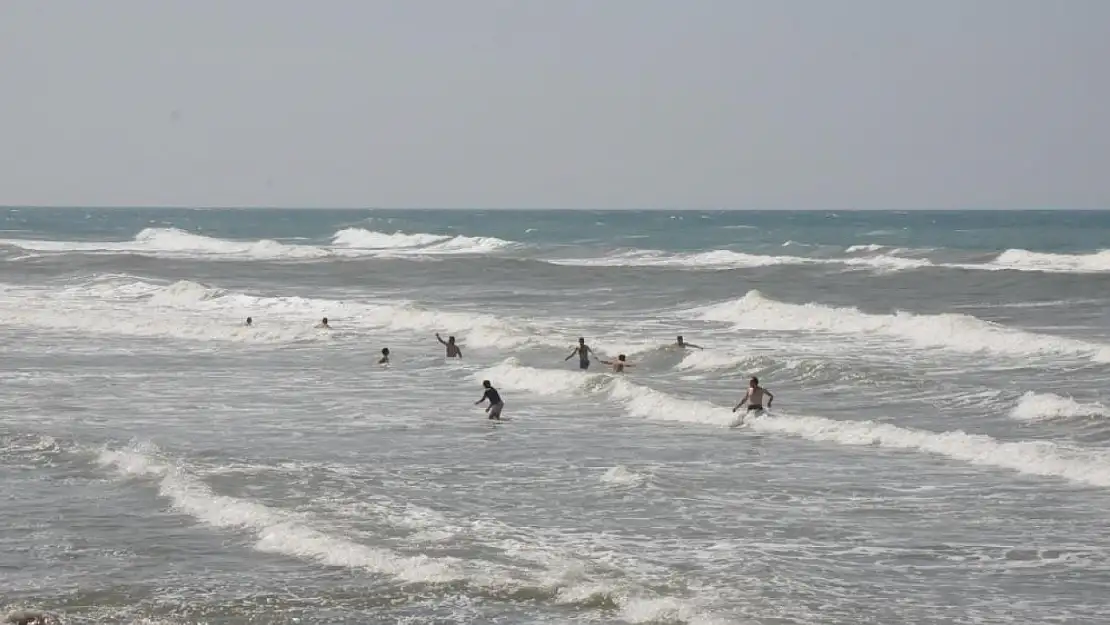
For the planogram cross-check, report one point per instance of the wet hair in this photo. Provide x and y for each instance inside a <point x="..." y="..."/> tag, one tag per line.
<point x="679" y="338"/>
<point x="385" y="350"/>
<point x="450" y="339"/>
<point x="325" y="320"/>
<point x="620" y="357"/>
<point x="485" y="383"/>
<point x="754" y="381"/>
<point x="249" y="320"/>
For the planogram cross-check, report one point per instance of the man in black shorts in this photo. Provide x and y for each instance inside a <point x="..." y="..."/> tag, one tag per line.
<point x="583" y="352"/>
<point x="754" y="397"/>
<point x="495" y="403"/>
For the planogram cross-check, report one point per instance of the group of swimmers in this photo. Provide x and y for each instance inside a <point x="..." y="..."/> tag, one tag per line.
<point x="753" y="398"/>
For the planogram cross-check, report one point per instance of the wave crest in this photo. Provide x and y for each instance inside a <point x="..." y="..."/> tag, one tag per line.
<point x="950" y="331"/>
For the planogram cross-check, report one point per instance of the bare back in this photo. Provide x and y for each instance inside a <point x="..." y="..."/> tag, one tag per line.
<point x="755" y="395"/>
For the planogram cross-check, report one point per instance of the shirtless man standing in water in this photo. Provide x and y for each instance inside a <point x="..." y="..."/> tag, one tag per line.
<point x="619" y="364"/>
<point x="583" y="352"/>
<point x="681" y="344"/>
<point x="754" y="397"/>
<point x="453" y="350"/>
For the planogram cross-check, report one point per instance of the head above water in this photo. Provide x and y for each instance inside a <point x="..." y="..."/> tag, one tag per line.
<point x="581" y="341"/>
<point x="754" y="382"/>
<point x="385" y="351"/>
<point x="324" y="321"/>
<point x="680" y="339"/>
<point x="450" y="339"/>
<point x="249" y="321"/>
<point x="486" y="383"/>
<point x="620" y="357"/>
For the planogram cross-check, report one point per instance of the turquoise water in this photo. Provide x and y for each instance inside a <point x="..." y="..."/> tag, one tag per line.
<point x="937" y="451"/>
<point x="971" y="231"/>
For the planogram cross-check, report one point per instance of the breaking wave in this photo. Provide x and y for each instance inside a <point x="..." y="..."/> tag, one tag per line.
<point x="956" y="332"/>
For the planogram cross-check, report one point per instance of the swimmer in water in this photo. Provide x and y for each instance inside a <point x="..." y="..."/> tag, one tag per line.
<point x="323" y="324"/>
<point x="683" y="344"/>
<point x="495" y="403"/>
<point x="249" y="322"/>
<point x="453" y="350"/>
<point x="385" y="356"/>
<point x="583" y="351"/>
<point x="619" y="364"/>
<point x="754" y="397"/>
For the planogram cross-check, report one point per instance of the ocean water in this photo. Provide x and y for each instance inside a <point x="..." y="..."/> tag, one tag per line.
<point x="938" y="450"/>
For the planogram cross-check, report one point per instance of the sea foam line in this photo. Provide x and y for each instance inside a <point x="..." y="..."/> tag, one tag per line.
<point x="286" y="533"/>
<point x="276" y="531"/>
<point x="1033" y="458"/>
<point x="348" y="242"/>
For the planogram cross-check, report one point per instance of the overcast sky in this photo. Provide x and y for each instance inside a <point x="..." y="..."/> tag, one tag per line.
<point x="558" y="103"/>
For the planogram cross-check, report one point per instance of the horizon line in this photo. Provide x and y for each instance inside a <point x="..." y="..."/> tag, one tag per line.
<point x="510" y="208"/>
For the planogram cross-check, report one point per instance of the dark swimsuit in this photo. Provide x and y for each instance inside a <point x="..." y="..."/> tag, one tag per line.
<point x="752" y="407"/>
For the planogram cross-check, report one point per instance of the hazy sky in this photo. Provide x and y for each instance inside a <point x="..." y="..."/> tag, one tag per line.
<point x="559" y="103"/>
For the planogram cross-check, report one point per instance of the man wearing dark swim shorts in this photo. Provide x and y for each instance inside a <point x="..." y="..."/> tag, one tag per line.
<point x="583" y="351"/>
<point x="754" y="396"/>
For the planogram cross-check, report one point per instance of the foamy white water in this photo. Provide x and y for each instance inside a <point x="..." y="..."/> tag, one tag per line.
<point x="937" y="452"/>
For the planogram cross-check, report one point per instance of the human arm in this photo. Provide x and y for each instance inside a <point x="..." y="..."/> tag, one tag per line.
<point x="742" y="401"/>
<point x="440" y="339"/>
<point x="770" y="397"/>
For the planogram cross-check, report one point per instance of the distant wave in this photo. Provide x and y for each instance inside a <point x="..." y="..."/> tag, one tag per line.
<point x="175" y="242"/>
<point x="349" y="242"/>
<point x="868" y="247"/>
<point x="121" y="304"/>
<point x="957" y="332"/>
<point x="1034" y="458"/>
<point x="1024" y="260"/>
<point x="399" y="242"/>
<point x="727" y="259"/>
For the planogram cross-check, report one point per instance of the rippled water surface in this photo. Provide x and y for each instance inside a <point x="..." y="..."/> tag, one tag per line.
<point x="938" y="450"/>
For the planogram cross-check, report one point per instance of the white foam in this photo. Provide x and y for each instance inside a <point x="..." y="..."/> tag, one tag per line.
<point x="957" y="332"/>
<point x="1033" y="458"/>
<point x="173" y="242"/>
<point x="1024" y="260"/>
<point x="727" y="259"/>
<point x="708" y="360"/>
<point x="399" y="243"/>
<point x="1045" y="406"/>
<point x="185" y="309"/>
<point x="620" y="475"/>
<point x="360" y="238"/>
<point x="1040" y="458"/>
<point x="276" y="531"/>
<point x="348" y="242"/>
<point x="869" y="247"/>
<point x="563" y="575"/>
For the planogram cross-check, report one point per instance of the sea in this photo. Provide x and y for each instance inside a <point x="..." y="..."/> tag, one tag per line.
<point x="937" y="451"/>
